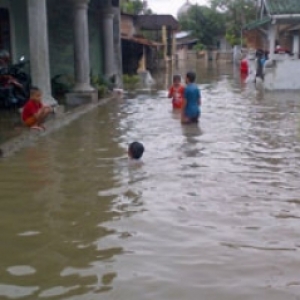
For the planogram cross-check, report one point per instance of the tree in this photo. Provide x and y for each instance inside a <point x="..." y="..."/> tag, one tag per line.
<point x="134" y="7"/>
<point x="205" y="23"/>
<point x="238" y="13"/>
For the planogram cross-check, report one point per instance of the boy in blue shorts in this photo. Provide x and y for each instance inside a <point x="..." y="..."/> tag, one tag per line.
<point x="191" y="108"/>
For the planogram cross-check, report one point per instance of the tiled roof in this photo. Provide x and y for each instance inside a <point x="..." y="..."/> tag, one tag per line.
<point x="281" y="7"/>
<point x="155" y="22"/>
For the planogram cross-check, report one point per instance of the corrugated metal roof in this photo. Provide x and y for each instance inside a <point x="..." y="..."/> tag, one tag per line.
<point x="188" y="42"/>
<point x="140" y="40"/>
<point x="282" y="7"/>
<point x="257" y="23"/>
<point x="156" y="22"/>
<point x="182" y="34"/>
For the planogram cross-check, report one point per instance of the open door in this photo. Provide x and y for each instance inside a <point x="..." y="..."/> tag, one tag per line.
<point x="5" y="37"/>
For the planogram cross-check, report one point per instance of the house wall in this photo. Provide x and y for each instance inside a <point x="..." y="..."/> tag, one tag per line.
<point x="4" y="3"/>
<point x="60" y="30"/>
<point x="224" y="45"/>
<point x="182" y="53"/>
<point x="96" y="43"/>
<point x="127" y="25"/>
<point x="60" y="26"/>
<point x="283" y="75"/>
<point x="255" y="40"/>
<point x="19" y="27"/>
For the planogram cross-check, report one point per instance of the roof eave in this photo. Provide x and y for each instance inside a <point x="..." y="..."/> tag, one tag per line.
<point x="285" y="16"/>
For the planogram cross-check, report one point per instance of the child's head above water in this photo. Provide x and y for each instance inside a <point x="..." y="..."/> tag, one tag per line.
<point x="136" y="150"/>
<point x="190" y="77"/>
<point x="176" y="79"/>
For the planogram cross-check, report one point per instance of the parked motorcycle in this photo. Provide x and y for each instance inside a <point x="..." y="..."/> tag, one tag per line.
<point x="14" y="85"/>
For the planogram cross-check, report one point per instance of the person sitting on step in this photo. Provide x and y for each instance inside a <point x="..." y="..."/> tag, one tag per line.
<point x="34" y="111"/>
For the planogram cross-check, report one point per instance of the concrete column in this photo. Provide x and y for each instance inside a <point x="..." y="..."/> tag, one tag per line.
<point x="81" y="46"/>
<point x="108" y="34"/>
<point x="272" y="40"/>
<point x="39" y="48"/>
<point x="118" y="46"/>
<point x="296" y="45"/>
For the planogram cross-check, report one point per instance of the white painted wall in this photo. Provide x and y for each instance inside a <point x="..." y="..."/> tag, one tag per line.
<point x="283" y="75"/>
<point x="182" y="54"/>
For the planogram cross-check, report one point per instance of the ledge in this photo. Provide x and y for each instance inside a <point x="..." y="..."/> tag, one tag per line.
<point x="61" y="119"/>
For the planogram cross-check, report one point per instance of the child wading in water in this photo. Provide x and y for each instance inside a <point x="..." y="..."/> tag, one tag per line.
<point x="191" y="108"/>
<point x="34" y="112"/>
<point x="176" y="92"/>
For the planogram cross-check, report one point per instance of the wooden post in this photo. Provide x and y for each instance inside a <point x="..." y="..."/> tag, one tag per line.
<point x="164" y="41"/>
<point x="174" y="48"/>
<point x="272" y="40"/>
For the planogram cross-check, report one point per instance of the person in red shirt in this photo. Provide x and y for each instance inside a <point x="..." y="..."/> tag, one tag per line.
<point x="34" y="112"/>
<point x="176" y="92"/>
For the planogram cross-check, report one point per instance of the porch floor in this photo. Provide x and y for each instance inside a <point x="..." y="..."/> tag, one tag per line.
<point x="10" y="125"/>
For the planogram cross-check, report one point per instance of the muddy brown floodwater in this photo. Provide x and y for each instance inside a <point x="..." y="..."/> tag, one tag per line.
<point x="214" y="212"/>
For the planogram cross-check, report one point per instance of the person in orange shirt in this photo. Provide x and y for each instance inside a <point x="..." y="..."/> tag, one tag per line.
<point x="176" y="92"/>
<point x="34" y="112"/>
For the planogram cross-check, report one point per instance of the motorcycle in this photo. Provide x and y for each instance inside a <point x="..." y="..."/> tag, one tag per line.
<point x="14" y="85"/>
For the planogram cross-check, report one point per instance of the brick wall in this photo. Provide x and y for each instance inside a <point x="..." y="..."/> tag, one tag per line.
<point x="127" y="25"/>
<point x="254" y="39"/>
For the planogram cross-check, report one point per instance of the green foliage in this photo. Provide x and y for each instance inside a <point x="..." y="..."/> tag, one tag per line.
<point x="101" y="84"/>
<point x="232" y="38"/>
<point x="134" y="7"/>
<point x="131" y="81"/>
<point x="238" y="13"/>
<point x="199" y="47"/>
<point x="223" y="17"/>
<point x="205" y="23"/>
<point x="61" y="84"/>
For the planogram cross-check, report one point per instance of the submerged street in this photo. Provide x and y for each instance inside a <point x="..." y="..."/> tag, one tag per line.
<point x="212" y="214"/>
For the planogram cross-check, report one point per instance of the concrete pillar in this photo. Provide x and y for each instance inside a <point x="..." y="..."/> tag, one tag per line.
<point x="39" y="48"/>
<point x="81" y="46"/>
<point x="108" y="35"/>
<point x="272" y="40"/>
<point x="296" y="45"/>
<point x="118" y="47"/>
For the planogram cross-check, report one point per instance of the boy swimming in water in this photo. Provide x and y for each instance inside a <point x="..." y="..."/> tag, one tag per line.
<point x="191" y="108"/>
<point x="176" y="92"/>
<point x="136" y="151"/>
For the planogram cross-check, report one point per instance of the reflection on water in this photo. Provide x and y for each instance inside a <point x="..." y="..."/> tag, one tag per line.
<point x="216" y="204"/>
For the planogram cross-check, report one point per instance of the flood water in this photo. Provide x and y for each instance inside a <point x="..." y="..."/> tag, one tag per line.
<point x="213" y="213"/>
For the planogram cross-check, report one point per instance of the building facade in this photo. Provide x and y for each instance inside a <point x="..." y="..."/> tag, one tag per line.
<point x="277" y="31"/>
<point x="76" y="38"/>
